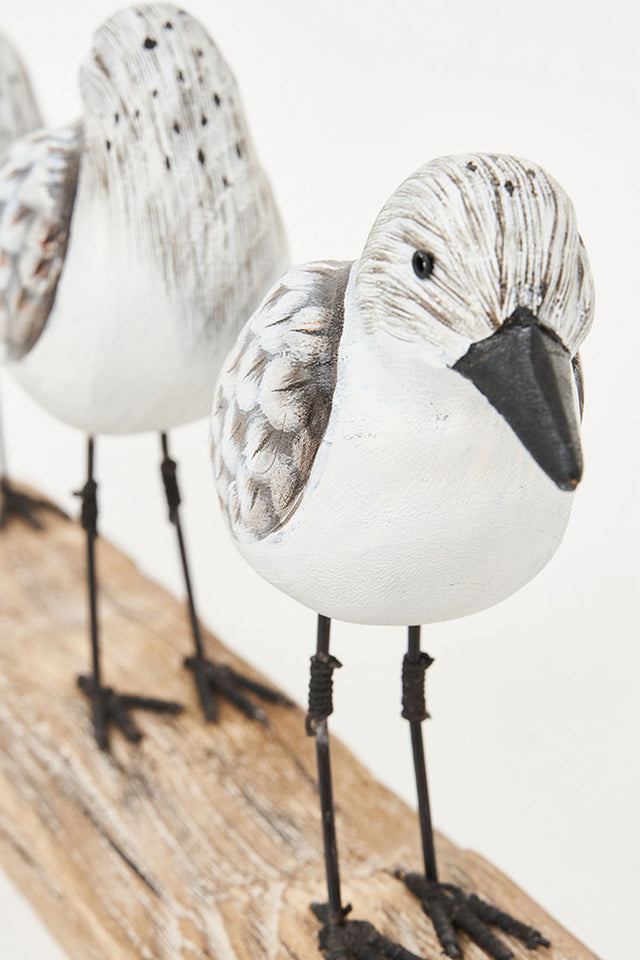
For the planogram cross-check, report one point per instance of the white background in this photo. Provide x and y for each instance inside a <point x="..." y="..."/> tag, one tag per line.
<point x="533" y="749"/>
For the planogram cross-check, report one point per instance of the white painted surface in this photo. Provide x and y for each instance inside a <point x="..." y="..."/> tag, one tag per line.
<point x="535" y="700"/>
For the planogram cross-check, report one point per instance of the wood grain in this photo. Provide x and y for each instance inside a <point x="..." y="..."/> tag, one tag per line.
<point x="204" y="842"/>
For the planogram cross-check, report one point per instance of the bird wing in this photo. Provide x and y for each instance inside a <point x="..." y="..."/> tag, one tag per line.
<point x="273" y="399"/>
<point x="38" y="180"/>
<point x="19" y="111"/>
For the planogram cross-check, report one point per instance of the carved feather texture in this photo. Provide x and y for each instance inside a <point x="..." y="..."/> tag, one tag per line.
<point x="38" y="181"/>
<point x="502" y="233"/>
<point x="166" y="138"/>
<point x="273" y="399"/>
<point x="19" y="111"/>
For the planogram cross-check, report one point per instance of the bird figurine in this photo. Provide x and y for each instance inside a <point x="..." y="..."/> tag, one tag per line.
<point x="396" y="440"/>
<point x="134" y="245"/>
<point x="19" y="114"/>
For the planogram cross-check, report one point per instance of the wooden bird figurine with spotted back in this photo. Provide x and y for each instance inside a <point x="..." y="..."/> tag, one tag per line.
<point x="135" y="243"/>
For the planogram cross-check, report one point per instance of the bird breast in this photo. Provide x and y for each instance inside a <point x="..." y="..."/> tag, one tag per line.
<point x="422" y="504"/>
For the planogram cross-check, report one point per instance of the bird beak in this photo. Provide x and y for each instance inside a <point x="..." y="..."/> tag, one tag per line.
<point x="525" y="372"/>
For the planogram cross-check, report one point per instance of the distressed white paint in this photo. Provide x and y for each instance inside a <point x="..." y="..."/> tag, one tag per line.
<point x="174" y="233"/>
<point x="422" y="504"/>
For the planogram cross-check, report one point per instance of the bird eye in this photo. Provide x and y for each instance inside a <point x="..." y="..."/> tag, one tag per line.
<point x="423" y="264"/>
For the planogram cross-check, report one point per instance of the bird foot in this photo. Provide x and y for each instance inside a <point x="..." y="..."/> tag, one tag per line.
<point x="109" y="707"/>
<point x="219" y="680"/>
<point x="20" y="506"/>
<point x="357" y="939"/>
<point x="450" y="909"/>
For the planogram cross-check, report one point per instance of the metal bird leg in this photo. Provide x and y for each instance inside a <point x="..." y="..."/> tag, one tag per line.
<point x="107" y="707"/>
<point x="338" y="938"/>
<point x="449" y="908"/>
<point x="212" y="680"/>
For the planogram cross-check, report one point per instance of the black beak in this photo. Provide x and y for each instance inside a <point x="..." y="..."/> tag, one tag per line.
<point x="525" y="372"/>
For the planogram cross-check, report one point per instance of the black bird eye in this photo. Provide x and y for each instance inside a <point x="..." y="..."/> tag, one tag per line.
<point x="423" y="264"/>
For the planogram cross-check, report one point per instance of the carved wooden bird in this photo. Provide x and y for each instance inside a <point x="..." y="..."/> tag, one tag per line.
<point x="135" y="244"/>
<point x="397" y="441"/>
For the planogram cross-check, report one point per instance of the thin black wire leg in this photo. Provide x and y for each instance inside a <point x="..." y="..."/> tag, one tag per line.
<point x="355" y="938"/>
<point x="452" y="910"/>
<point x="449" y="908"/>
<point x="338" y="938"/>
<point x="109" y="708"/>
<point x="17" y="505"/>
<point x="214" y="681"/>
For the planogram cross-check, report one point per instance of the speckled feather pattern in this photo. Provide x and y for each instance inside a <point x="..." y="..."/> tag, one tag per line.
<point x="166" y="138"/>
<point x="503" y="234"/>
<point x="38" y="181"/>
<point x="273" y="399"/>
<point x="19" y="111"/>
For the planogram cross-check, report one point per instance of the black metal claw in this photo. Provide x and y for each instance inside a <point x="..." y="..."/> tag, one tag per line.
<point x="17" y="505"/>
<point x="219" y="680"/>
<point x="497" y="918"/>
<point x="450" y="909"/>
<point x="356" y="939"/>
<point x="109" y="707"/>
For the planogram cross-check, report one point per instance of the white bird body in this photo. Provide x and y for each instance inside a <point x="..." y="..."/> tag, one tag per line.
<point x="412" y="499"/>
<point x="164" y="228"/>
<point x="112" y="358"/>
<point x="383" y="534"/>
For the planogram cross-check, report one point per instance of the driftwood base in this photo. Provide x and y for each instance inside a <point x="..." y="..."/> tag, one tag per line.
<point x="204" y="842"/>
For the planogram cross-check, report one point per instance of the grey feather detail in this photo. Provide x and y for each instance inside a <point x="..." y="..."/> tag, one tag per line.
<point x="19" y="111"/>
<point x="273" y="399"/>
<point x="38" y="181"/>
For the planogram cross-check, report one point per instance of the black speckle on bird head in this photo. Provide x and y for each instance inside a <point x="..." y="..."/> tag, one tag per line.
<point x="203" y="120"/>
<point x="154" y="94"/>
<point x="509" y="187"/>
<point x="108" y="144"/>
<point x="239" y="149"/>
<point x="167" y="163"/>
<point x="471" y="166"/>
<point x="199" y="52"/>
<point x="116" y="118"/>
<point x="180" y="76"/>
<point x="149" y="44"/>
<point x="137" y="114"/>
<point x="216" y="99"/>
<point x="225" y="182"/>
<point x="168" y="25"/>
<point x="201" y="156"/>
<point x="176" y="127"/>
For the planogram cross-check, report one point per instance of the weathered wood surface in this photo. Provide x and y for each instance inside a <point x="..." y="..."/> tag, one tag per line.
<point x="204" y="842"/>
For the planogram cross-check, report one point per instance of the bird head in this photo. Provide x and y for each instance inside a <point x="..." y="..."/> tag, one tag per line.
<point x="475" y="264"/>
